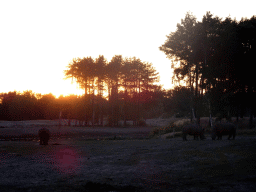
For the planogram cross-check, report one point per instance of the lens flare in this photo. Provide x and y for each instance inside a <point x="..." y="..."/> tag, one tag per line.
<point x="67" y="160"/>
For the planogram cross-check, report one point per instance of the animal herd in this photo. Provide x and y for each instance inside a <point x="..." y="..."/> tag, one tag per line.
<point x="218" y="131"/>
<point x="195" y="130"/>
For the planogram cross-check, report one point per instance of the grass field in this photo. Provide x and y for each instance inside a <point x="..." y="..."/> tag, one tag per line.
<point x="76" y="163"/>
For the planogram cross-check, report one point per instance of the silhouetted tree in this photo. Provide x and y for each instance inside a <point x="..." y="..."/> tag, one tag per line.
<point x="49" y="107"/>
<point x="123" y="79"/>
<point x="213" y="56"/>
<point x="7" y="99"/>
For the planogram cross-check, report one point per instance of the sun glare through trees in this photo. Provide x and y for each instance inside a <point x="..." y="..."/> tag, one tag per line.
<point x="212" y="60"/>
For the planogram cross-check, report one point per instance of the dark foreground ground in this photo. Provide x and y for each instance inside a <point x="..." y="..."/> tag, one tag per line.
<point x="116" y="162"/>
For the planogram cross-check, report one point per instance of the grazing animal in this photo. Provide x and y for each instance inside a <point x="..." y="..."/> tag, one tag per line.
<point x="193" y="129"/>
<point x="223" y="129"/>
<point x="44" y="136"/>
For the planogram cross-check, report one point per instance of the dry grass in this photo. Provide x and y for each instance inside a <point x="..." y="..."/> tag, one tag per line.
<point x="181" y="122"/>
<point x="174" y="126"/>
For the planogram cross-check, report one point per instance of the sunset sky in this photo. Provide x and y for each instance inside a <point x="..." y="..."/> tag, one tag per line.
<point x="39" y="38"/>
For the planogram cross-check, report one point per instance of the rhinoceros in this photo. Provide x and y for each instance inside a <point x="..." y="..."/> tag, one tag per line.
<point x="193" y="129"/>
<point x="223" y="129"/>
<point x="44" y="136"/>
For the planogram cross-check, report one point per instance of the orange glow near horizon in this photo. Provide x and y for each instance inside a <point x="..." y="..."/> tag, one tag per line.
<point x="65" y="89"/>
<point x="36" y="47"/>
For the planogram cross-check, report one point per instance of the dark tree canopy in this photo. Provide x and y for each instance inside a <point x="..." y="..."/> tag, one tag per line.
<point x="121" y="79"/>
<point x="122" y="89"/>
<point x="214" y="55"/>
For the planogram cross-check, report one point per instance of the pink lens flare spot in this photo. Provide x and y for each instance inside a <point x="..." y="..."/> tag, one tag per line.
<point x="67" y="160"/>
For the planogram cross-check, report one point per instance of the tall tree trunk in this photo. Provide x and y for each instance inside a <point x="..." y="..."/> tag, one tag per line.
<point x="93" y="111"/>
<point x="85" y="107"/>
<point x="210" y="112"/>
<point x="197" y="97"/>
<point x="250" y="94"/>
<point x="191" y="95"/>
<point x="60" y="119"/>
<point x="138" y="115"/>
<point x="125" y="105"/>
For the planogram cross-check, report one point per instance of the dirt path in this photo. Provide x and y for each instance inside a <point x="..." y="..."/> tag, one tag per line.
<point x="79" y="164"/>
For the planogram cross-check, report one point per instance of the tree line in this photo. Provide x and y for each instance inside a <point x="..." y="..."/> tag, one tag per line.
<point x="215" y="60"/>
<point x="27" y="106"/>
<point x="129" y="75"/>
<point x="128" y="83"/>
<point x="122" y="89"/>
<point x="16" y="106"/>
